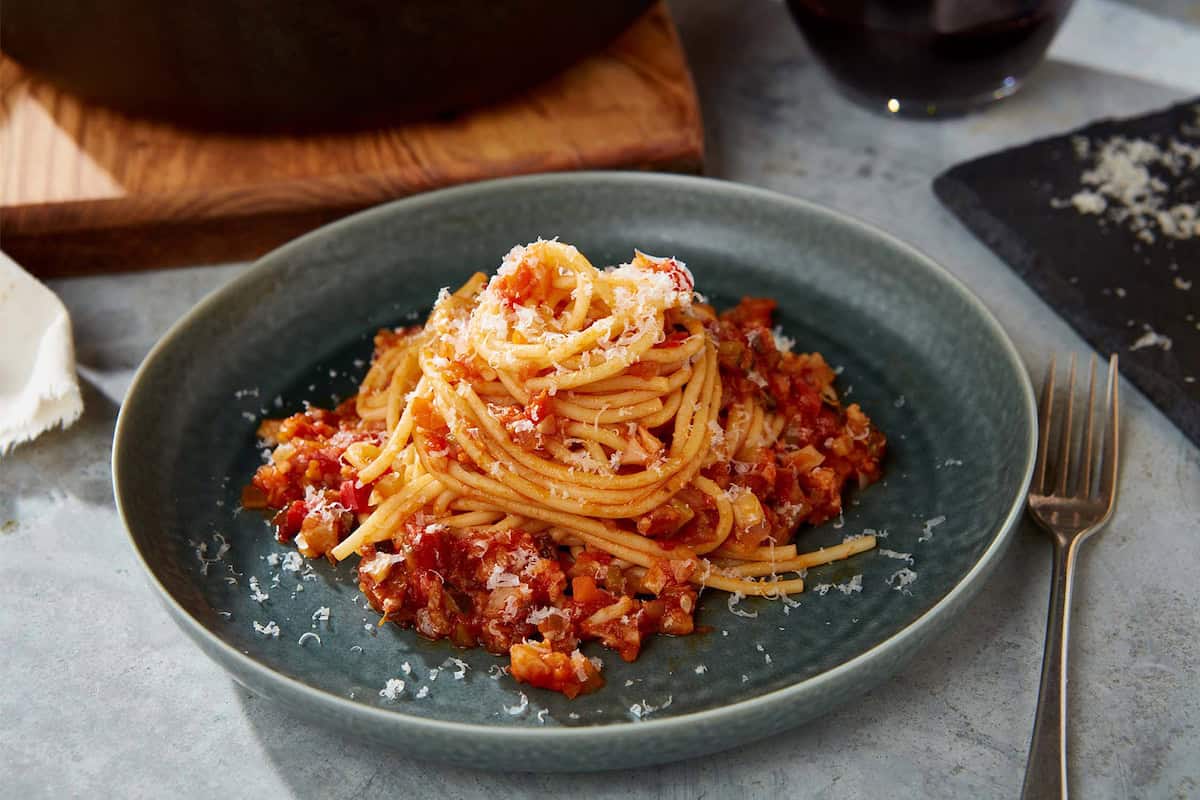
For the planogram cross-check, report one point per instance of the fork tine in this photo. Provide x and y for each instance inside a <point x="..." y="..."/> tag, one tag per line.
<point x="1064" y="447"/>
<point x="1085" y="487"/>
<point x="1108" y="478"/>
<point x="1045" y="418"/>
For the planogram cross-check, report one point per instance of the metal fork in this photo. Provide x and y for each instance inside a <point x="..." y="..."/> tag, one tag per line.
<point x="1073" y="494"/>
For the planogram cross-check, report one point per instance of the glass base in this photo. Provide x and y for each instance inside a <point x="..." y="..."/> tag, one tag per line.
<point x="916" y="108"/>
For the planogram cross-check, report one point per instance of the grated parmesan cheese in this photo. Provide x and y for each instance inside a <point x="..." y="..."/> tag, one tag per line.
<point x="256" y="592"/>
<point x="641" y="710"/>
<point x="883" y="551"/>
<point x="901" y="579"/>
<point x="392" y="689"/>
<point x="271" y="629"/>
<point x="201" y="549"/>
<point x="783" y="343"/>
<point x="852" y="586"/>
<point x="291" y="562"/>
<point x="732" y="603"/>
<point x="519" y="708"/>
<point x="717" y="439"/>
<point x="1086" y="202"/>
<point x="539" y="615"/>
<point x="1151" y="339"/>
<point x="930" y="524"/>
<point x="500" y="578"/>
<point x="1127" y="183"/>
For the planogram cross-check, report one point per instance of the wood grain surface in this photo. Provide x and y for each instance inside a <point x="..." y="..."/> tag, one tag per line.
<point x="84" y="189"/>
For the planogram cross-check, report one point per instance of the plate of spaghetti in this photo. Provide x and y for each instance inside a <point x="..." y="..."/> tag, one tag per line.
<point x="699" y="465"/>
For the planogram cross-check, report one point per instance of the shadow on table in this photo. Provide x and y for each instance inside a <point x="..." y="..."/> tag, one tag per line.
<point x="77" y="457"/>
<point x="953" y="719"/>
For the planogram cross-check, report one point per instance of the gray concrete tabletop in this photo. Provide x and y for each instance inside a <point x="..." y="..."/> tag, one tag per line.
<point x="130" y="708"/>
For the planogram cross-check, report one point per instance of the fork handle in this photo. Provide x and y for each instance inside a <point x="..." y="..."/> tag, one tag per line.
<point x="1046" y="770"/>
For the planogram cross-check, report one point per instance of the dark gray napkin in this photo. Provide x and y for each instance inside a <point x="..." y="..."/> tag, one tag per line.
<point x="1078" y="217"/>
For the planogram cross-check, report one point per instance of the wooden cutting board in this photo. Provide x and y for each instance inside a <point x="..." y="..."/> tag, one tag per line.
<point x="84" y="189"/>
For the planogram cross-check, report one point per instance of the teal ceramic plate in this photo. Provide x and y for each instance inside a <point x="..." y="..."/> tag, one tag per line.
<point x="917" y="350"/>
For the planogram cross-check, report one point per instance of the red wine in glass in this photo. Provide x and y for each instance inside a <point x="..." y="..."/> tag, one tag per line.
<point x="929" y="57"/>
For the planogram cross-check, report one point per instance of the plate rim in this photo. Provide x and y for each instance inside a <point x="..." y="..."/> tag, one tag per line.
<point x="217" y="648"/>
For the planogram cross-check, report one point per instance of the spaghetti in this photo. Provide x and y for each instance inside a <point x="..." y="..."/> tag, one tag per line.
<point x="563" y="453"/>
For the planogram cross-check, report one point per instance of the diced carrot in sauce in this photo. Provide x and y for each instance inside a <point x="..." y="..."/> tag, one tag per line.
<point x="536" y="664"/>
<point x="525" y="284"/>
<point x="425" y="415"/>
<point x="583" y="589"/>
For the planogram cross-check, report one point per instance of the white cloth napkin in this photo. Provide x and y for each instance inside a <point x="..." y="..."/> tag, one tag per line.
<point x="38" y="387"/>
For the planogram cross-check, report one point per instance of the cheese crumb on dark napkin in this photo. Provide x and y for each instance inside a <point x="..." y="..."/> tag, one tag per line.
<point x="1104" y="224"/>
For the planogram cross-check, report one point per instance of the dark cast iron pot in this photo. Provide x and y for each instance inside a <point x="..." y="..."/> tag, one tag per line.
<point x="312" y="63"/>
